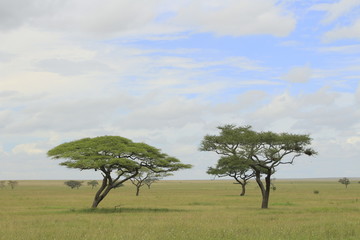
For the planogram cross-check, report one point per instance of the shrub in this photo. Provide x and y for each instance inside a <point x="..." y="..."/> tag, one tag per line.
<point x="13" y="184"/>
<point x="73" y="184"/>
<point x="93" y="183"/>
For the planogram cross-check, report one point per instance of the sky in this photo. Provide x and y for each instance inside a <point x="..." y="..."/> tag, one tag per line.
<point x="168" y="72"/>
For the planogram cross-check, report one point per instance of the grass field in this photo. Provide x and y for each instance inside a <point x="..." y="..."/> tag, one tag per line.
<point x="182" y="210"/>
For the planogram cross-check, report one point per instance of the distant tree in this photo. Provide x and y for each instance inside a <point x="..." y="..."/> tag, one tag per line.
<point x="146" y="177"/>
<point x="2" y="184"/>
<point x="93" y="183"/>
<point x="73" y="184"/>
<point x="344" y="181"/>
<point x="156" y="177"/>
<point x="263" y="152"/>
<point x="13" y="184"/>
<point x="232" y="166"/>
<point x="118" y="159"/>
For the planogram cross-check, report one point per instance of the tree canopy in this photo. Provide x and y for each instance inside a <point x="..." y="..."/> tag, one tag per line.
<point x="261" y="151"/>
<point x="73" y="184"/>
<point x="344" y="181"/>
<point x="117" y="158"/>
<point x="147" y="177"/>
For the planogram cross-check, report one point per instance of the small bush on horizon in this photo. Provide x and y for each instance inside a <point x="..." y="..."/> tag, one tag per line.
<point x="93" y="183"/>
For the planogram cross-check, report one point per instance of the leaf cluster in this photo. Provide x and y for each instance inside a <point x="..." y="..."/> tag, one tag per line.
<point x="228" y="165"/>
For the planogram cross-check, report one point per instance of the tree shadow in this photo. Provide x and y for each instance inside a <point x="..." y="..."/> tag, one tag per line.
<point x="118" y="209"/>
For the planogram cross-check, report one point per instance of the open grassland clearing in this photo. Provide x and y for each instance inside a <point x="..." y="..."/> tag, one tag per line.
<point x="182" y="210"/>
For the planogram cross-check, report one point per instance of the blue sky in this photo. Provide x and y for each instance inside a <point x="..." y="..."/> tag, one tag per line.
<point x="169" y="72"/>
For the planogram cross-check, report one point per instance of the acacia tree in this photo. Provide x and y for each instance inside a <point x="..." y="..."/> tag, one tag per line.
<point x="344" y="181"/>
<point x="117" y="158"/>
<point x="146" y="177"/>
<point x="261" y="151"/>
<point x="154" y="177"/>
<point x="93" y="183"/>
<point x="13" y="184"/>
<point x="73" y="184"/>
<point x="232" y="166"/>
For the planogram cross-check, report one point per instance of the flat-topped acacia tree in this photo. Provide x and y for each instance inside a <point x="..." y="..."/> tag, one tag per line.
<point x="117" y="158"/>
<point x="261" y="151"/>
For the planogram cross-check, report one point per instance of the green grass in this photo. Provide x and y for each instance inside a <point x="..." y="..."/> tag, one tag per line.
<point x="181" y="210"/>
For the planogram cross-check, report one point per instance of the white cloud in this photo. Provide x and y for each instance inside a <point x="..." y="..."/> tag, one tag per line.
<point x="357" y="93"/>
<point x="247" y="101"/>
<point x="104" y="17"/>
<point x="28" y="148"/>
<point x="345" y="49"/>
<point x="91" y="17"/>
<point x="67" y="67"/>
<point x="310" y="112"/>
<point x="298" y="74"/>
<point x="118" y="18"/>
<point x="341" y="12"/>
<point x="172" y="112"/>
<point x="344" y="32"/>
<point x="353" y="140"/>
<point x="236" y="18"/>
<point x="65" y="116"/>
<point x="5" y="56"/>
<point x="73" y="69"/>
<point x="2" y="152"/>
<point x="335" y="10"/>
<point x="15" y="13"/>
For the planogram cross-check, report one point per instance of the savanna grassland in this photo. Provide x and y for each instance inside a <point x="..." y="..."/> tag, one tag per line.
<point x="182" y="210"/>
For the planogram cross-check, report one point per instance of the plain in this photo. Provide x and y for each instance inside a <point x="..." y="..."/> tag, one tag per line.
<point x="182" y="210"/>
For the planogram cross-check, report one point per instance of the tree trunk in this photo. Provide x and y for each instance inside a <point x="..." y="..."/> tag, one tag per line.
<point x="242" y="183"/>
<point x="242" y="190"/>
<point x="99" y="197"/>
<point x="266" y="193"/>
<point x="137" y="190"/>
<point x="107" y="184"/>
<point x="101" y="193"/>
<point x="95" y="203"/>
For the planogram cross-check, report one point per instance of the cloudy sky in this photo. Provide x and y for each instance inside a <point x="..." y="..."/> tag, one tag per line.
<point x="168" y="72"/>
